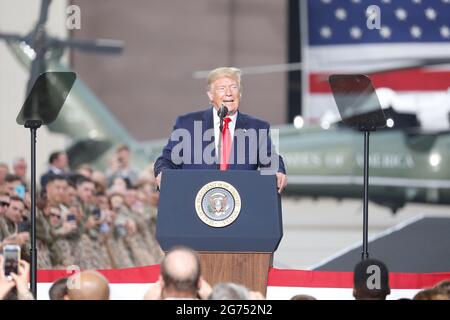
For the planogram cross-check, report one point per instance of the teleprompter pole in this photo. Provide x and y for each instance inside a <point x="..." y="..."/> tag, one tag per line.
<point x="33" y="125"/>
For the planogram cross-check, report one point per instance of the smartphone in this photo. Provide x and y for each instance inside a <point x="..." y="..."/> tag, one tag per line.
<point x="97" y="213"/>
<point x="24" y="226"/>
<point x="71" y="217"/>
<point x="20" y="190"/>
<point x="11" y="257"/>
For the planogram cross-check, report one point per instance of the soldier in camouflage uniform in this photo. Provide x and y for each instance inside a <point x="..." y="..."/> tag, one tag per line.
<point x="63" y="231"/>
<point x="91" y="253"/>
<point x="4" y="204"/>
<point x="44" y="241"/>
<point x="121" y="254"/>
<point x="55" y="190"/>
<point x="13" y="216"/>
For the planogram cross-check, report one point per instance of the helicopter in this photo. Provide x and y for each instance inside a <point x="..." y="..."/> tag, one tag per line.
<point x="407" y="163"/>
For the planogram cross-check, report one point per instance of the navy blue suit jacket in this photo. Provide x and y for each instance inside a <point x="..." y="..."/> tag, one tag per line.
<point x="243" y="122"/>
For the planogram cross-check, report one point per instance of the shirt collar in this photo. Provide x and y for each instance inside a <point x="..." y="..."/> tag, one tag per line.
<point x="217" y="118"/>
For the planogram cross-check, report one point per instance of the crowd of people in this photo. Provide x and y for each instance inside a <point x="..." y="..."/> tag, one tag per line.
<point x="84" y="218"/>
<point x="181" y="279"/>
<point x="103" y="220"/>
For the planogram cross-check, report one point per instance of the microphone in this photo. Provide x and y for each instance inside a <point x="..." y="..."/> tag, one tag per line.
<point x="222" y="113"/>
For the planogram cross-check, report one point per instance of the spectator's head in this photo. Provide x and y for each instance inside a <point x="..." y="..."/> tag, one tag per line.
<point x="116" y="201"/>
<point x="131" y="197"/>
<point x="123" y="155"/>
<point x="70" y="195"/>
<point x="59" y="160"/>
<point x="58" y="289"/>
<point x="85" y="170"/>
<point x="100" y="178"/>
<point x="371" y="280"/>
<point x="15" y="210"/>
<point x="4" y="202"/>
<point x="4" y="170"/>
<point x="120" y="184"/>
<point x="20" y="168"/>
<point x="443" y="287"/>
<point x="12" y="181"/>
<point x="88" y="285"/>
<point x="430" y="294"/>
<point x="54" y="215"/>
<point x="180" y="273"/>
<point x="229" y="291"/>
<point x="85" y="189"/>
<point x="102" y="202"/>
<point x="303" y="297"/>
<point x="56" y="189"/>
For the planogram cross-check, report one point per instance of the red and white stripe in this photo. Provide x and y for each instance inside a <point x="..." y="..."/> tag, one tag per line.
<point x="132" y="283"/>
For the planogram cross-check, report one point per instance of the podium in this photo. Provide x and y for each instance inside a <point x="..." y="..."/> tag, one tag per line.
<point x="199" y="209"/>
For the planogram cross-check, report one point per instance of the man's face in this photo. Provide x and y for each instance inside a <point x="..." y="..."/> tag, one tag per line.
<point x="11" y="186"/>
<point x="62" y="161"/>
<point x="86" y="191"/>
<point x="3" y="172"/>
<point x="56" y="190"/>
<point x="130" y="197"/>
<point x="55" y="217"/>
<point x="4" y="204"/>
<point x="15" y="211"/>
<point x="225" y="91"/>
<point x="116" y="201"/>
<point x="20" y="169"/>
<point x="70" y="195"/>
<point x="123" y="156"/>
<point x="102" y="202"/>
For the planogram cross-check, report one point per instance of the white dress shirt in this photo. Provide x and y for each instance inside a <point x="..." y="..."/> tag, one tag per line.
<point x="231" y="126"/>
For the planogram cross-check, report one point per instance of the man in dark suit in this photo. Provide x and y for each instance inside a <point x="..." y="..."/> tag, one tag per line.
<point x="197" y="141"/>
<point x="58" y="162"/>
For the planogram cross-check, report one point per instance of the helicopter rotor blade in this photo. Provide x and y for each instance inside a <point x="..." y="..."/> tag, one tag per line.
<point x="98" y="45"/>
<point x="38" y="43"/>
<point x="12" y="37"/>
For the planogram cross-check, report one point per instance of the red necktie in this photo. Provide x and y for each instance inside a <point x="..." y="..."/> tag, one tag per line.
<point x="226" y="144"/>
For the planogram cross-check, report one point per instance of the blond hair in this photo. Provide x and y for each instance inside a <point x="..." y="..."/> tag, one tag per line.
<point x="230" y="72"/>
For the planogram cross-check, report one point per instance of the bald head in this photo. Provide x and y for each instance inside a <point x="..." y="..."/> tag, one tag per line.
<point x="88" y="285"/>
<point x="180" y="270"/>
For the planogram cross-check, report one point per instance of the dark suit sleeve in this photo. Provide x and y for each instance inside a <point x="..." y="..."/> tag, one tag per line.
<point x="269" y="151"/>
<point x="165" y="160"/>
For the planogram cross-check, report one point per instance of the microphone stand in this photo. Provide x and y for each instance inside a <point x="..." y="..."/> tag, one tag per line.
<point x="219" y="146"/>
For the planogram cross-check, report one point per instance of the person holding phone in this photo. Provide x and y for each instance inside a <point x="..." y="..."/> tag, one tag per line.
<point x="18" y="279"/>
<point x="63" y="232"/>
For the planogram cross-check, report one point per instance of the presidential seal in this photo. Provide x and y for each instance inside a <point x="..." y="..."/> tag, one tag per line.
<point x="218" y="204"/>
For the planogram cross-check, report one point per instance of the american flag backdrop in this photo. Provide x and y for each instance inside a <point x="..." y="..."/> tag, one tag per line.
<point x="340" y="40"/>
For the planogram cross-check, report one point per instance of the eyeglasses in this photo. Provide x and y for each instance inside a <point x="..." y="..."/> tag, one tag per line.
<point x="4" y="204"/>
